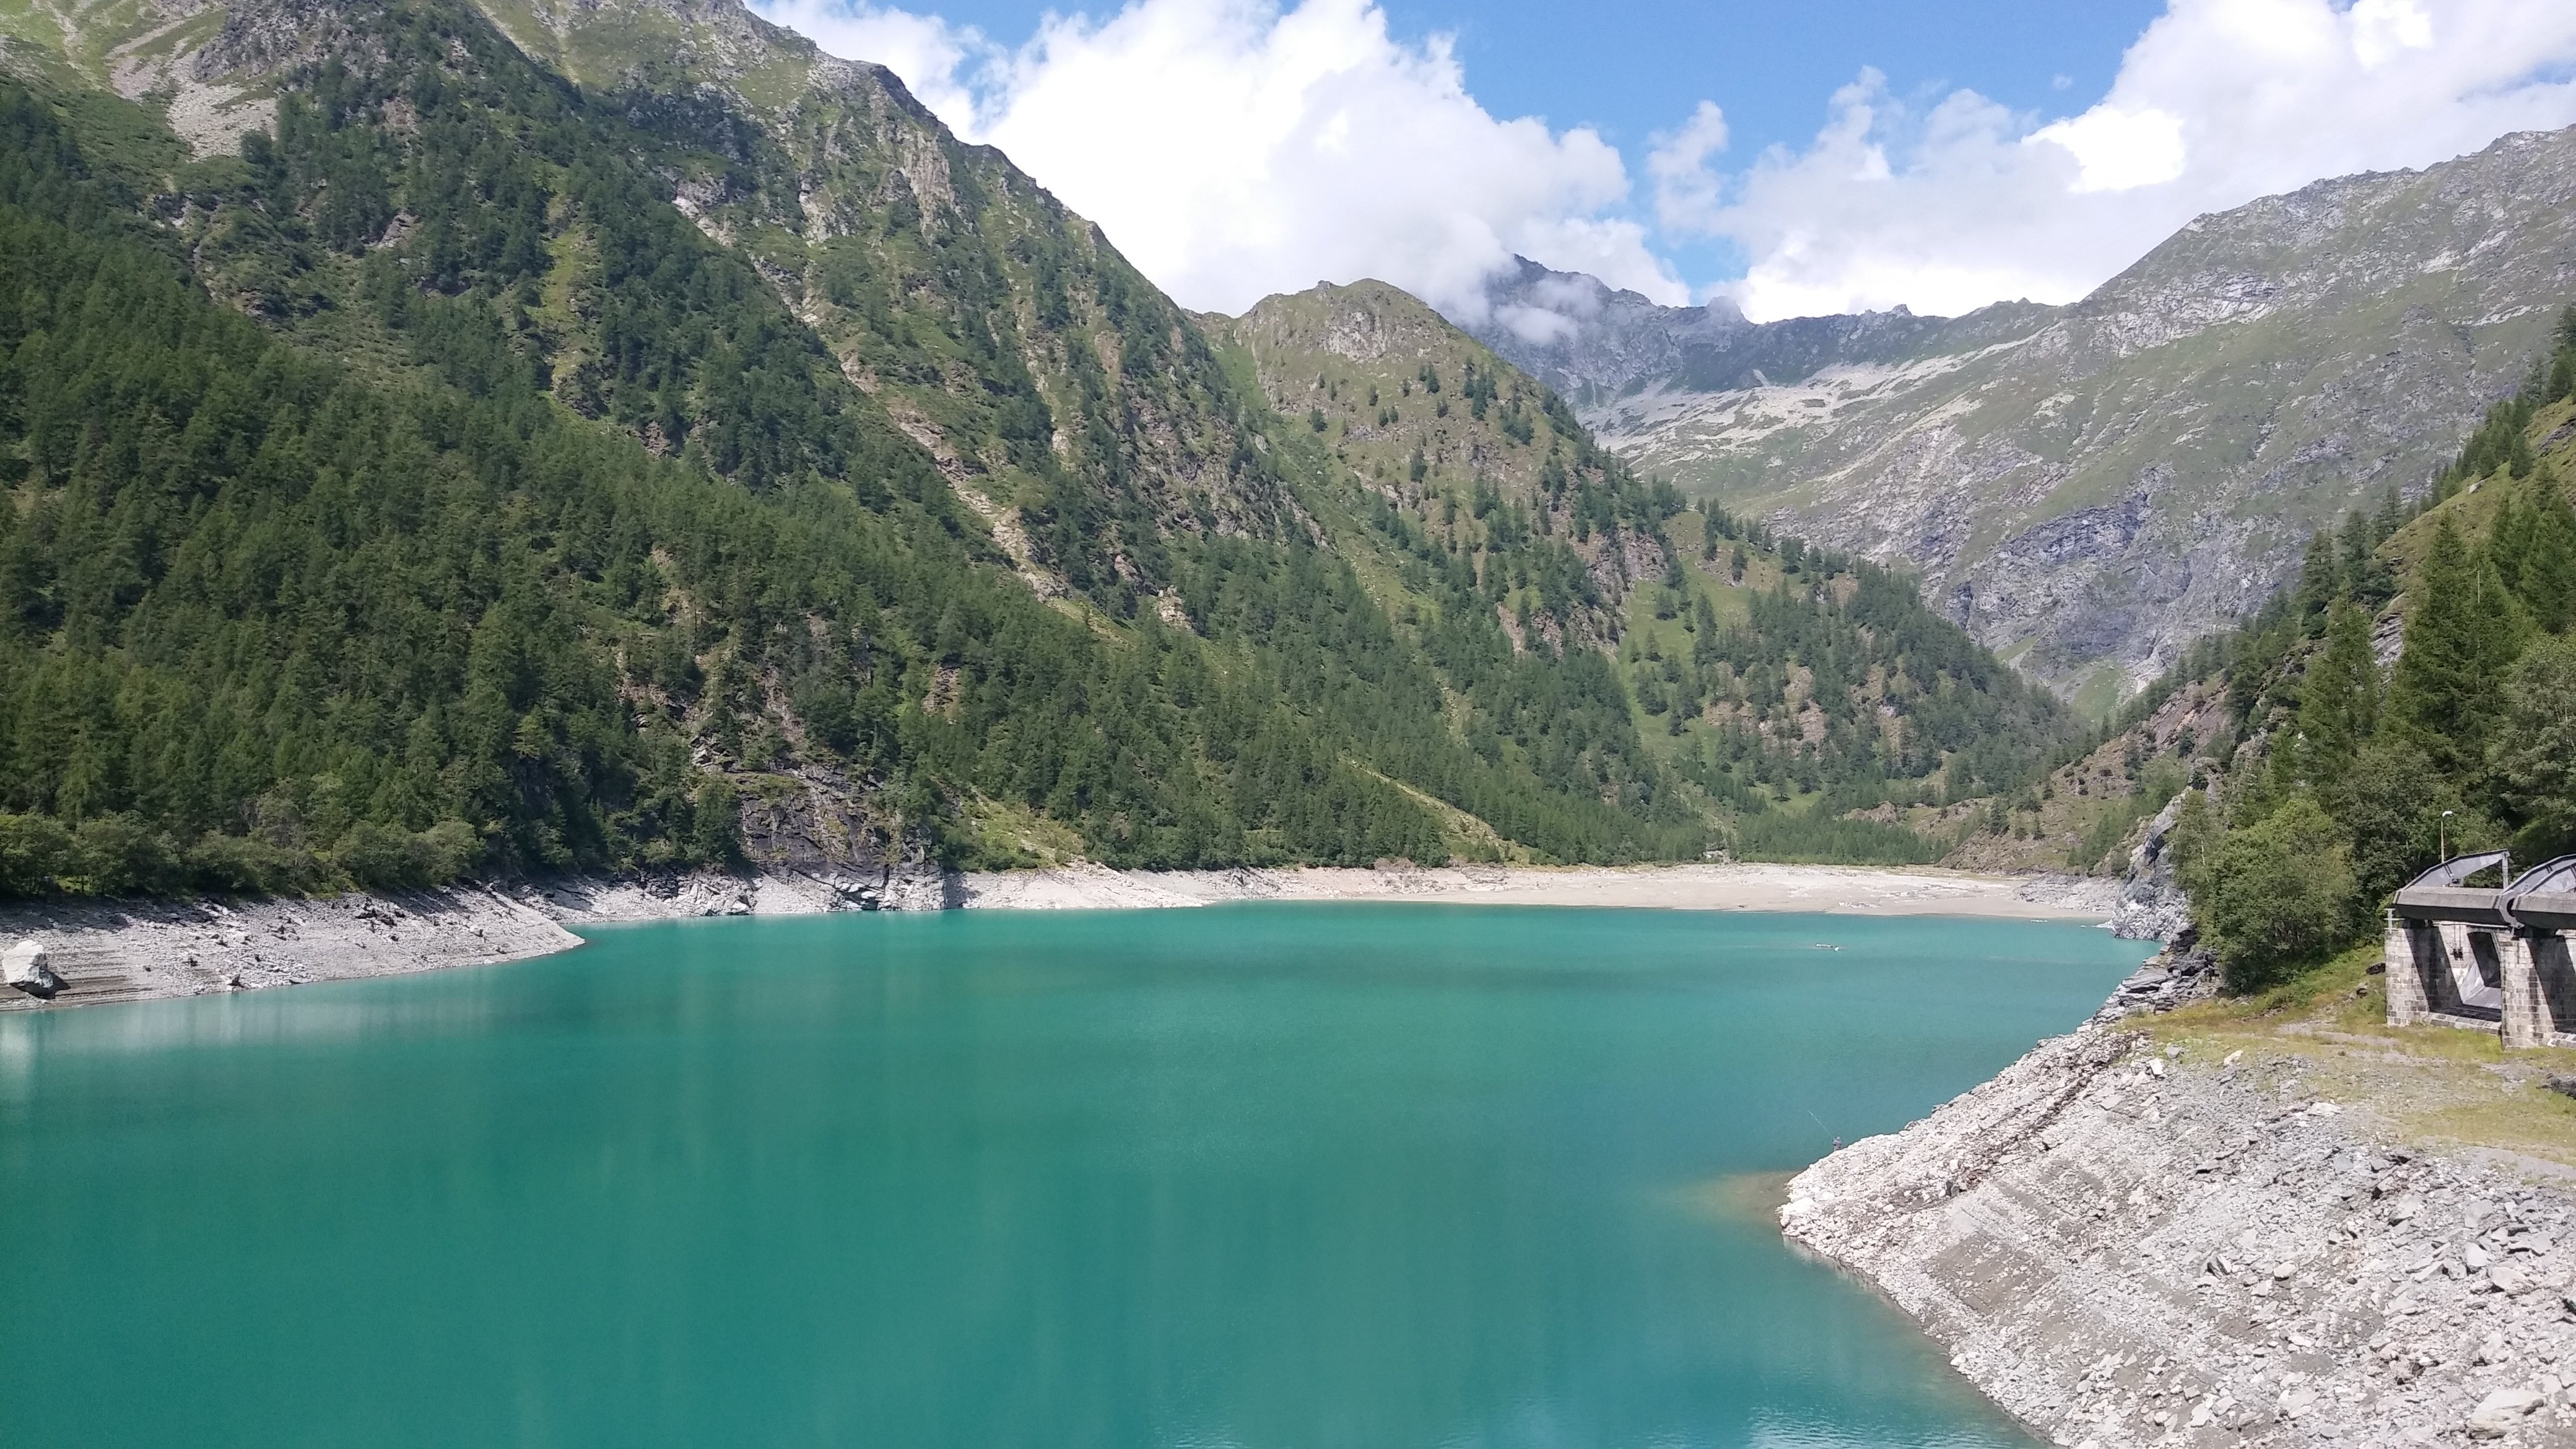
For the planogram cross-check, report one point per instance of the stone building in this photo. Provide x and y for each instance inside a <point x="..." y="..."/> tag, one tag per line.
<point x="2489" y="958"/>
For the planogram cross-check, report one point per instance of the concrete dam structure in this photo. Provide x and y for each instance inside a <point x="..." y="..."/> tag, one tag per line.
<point x="2490" y="958"/>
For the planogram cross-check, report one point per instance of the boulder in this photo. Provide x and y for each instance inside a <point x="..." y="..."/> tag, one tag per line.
<point x="2500" y="1412"/>
<point x="26" y="967"/>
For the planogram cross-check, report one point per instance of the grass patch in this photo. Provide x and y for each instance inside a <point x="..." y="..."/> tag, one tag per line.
<point x="2102" y="692"/>
<point x="2325" y="1035"/>
<point x="1010" y="835"/>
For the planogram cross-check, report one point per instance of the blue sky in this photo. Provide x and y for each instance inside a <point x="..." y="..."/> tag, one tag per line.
<point x="1632" y="70"/>
<point x="1635" y="70"/>
<point x="1792" y="158"/>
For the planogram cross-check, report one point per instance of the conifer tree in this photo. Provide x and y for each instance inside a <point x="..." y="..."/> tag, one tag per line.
<point x="2392" y="513"/>
<point x="2320" y="581"/>
<point x="2535" y="770"/>
<point x="2354" y="545"/>
<point x="2508" y="537"/>
<point x="2535" y="551"/>
<point x="2465" y="628"/>
<point x="2341" y="705"/>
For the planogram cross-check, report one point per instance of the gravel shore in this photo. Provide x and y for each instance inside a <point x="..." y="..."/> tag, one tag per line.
<point x="131" y="950"/>
<point x="2127" y="1245"/>
<point x="1840" y="890"/>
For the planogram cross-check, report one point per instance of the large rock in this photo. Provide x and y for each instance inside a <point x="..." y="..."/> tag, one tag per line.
<point x="25" y="966"/>
<point x="2498" y="1413"/>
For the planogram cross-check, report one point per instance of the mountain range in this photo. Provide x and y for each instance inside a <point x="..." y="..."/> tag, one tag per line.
<point x="2089" y="488"/>
<point x="444" y="438"/>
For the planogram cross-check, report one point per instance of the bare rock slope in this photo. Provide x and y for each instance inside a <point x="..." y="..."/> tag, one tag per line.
<point x="2101" y="483"/>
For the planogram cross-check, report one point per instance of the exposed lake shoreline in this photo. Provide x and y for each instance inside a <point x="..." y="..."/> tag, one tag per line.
<point x="135" y="950"/>
<point x="2127" y="1241"/>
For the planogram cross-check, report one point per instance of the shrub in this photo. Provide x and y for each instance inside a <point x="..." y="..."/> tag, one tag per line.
<point x="452" y="849"/>
<point x="386" y="857"/>
<point x="249" y="866"/>
<point x="33" y="852"/>
<point x="715" y="834"/>
<point x="1780" y="835"/>
<point x="2278" y="894"/>
<point x="119" y="855"/>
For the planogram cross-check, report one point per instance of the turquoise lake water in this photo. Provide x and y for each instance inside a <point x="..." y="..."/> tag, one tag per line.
<point x="1277" y="1177"/>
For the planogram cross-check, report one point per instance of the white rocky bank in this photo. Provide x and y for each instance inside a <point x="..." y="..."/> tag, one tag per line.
<point x="106" y="951"/>
<point x="2126" y="1249"/>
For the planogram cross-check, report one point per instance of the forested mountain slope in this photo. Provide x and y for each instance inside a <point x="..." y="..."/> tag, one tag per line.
<point x="621" y="436"/>
<point x="422" y="488"/>
<point x="2415" y="691"/>
<point x="2090" y="488"/>
<point x="1792" y="690"/>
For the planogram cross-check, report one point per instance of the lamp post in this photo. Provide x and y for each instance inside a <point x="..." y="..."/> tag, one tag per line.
<point x="2446" y="834"/>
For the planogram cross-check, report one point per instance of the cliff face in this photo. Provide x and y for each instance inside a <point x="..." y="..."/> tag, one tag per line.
<point x="2123" y="1246"/>
<point x="2101" y="483"/>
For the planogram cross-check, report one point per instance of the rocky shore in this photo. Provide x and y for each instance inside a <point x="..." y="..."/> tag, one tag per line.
<point x="107" y="951"/>
<point x="2127" y="1244"/>
<point x="131" y="950"/>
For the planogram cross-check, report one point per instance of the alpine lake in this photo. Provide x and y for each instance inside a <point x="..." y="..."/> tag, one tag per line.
<point x="1310" y="1176"/>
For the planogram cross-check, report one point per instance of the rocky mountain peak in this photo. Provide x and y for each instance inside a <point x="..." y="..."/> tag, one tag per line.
<point x="2092" y="487"/>
<point x="1586" y="339"/>
<point x="1596" y="344"/>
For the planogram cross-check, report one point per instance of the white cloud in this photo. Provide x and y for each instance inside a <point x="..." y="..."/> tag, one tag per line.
<point x="2117" y="150"/>
<point x="1964" y="202"/>
<point x="2381" y="29"/>
<point x="1685" y="187"/>
<point x="1232" y="148"/>
<point x="1238" y="147"/>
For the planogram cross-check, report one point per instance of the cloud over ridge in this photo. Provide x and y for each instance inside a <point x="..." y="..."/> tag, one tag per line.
<point x="1232" y="148"/>
<point x="1950" y="205"/>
